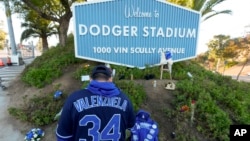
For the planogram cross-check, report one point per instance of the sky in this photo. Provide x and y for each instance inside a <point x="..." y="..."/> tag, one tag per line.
<point x="225" y="24"/>
<point x="232" y="25"/>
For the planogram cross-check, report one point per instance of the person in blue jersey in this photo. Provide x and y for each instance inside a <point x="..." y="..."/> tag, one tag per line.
<point x="99" y="112"/>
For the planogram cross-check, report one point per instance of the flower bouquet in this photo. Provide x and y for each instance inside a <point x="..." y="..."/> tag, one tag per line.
<point x="34" y="134"/>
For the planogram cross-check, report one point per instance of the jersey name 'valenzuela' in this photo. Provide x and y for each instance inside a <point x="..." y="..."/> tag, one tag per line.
<point x="97" y="101"/>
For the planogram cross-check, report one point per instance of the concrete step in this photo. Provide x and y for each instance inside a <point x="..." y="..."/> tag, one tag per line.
<point x="13" y="67"/>
<point x="6" y="76"/>
<point x="10" y="71"/>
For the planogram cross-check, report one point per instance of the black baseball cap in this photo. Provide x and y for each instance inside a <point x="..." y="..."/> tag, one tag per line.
<point x="101" y="69"/>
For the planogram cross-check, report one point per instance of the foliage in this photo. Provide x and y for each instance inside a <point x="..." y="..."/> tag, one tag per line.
<point x="122" y="72"/>
<point x="231" y="51"/>
<point x="39" y="110"/>
<point x="18" y="113"/>
<point x="136" y="73"/>
<point x="135" y="92"/>
<point x="220" y="100"/>
<point x="84" y="69"/>
<point x="205" y="7"/>
<point x="2" y="35"/>
<point x="35" y="26"/>
<point x="217" y="49"/>
<point x="2" y="38"/>
<point x="185" y="3"/>
<point x="218" y="44"/>
<point x="53" y="10"/>
<point x="231" y="63"/>
<point x="46" y="68"/>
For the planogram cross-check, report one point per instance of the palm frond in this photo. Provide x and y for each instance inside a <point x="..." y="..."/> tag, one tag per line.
<point x="28" y="33"/>
<point x="25" y="25"/>
<point x="198" y="4"/>
<point x="52" y="33"/>
<point x="208" y="11"/>
<point x="216" y="13"/>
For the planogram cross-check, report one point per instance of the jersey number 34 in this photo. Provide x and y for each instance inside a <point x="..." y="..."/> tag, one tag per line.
<point x="110" y="132"/>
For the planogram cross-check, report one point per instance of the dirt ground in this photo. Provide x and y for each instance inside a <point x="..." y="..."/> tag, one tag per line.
<point x="158" y="100"/>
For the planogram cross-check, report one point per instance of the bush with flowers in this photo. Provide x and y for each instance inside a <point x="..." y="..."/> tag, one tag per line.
<point x="34" y="134"/>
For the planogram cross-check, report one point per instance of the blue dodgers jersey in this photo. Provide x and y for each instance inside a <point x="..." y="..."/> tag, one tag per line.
<point x="90" y="117"/>
<point x="145" y="128"/>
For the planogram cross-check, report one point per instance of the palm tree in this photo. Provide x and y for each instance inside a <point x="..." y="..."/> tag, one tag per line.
<point x="58" y="11"/>
<point x="38" y="27"/>
<point x="205" y="7"/>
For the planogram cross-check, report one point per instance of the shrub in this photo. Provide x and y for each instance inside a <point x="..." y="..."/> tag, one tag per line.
<point x="135" y="92"/>
<point x="46" y="68"/>
<point x="39" y="110"/>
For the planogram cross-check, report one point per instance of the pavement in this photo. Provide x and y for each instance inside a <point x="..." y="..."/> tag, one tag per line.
<point x="234" y="71"/>
<point x="7" y="131"/>
<point x="7" y="73"/>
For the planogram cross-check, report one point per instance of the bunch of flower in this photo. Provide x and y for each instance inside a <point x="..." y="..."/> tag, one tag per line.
<point x="34" y="134"/>
<point x="184" y="108"/>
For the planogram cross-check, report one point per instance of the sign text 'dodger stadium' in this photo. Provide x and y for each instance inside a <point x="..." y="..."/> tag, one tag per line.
<point x="134" y="33"/>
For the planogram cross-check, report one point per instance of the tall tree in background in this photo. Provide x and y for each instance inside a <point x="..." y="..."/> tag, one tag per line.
<point x="216" y="48"/>
<point x="221" y="47"/>
<point x="54" y="10"/>
<point x="205" y="7"/>
<point x="35" y="26"/>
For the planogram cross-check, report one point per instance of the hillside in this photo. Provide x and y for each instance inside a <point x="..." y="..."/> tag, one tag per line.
<point x="218" y="100"/>
<point x="18" y="90"/>
<point x="158" y="102"/>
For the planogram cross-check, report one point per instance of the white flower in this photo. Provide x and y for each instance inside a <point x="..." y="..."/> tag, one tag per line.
<point x="35" y="135"/>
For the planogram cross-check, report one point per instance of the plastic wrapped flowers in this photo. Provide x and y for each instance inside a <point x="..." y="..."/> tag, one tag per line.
<point x="34" y="134"/>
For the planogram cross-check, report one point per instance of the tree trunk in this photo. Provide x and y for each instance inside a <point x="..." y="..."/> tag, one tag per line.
<point x="242" y="68"/>
<point x="63" y="30"/>
<point x="45" y="44"/>
<point x="217" y="65"/>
